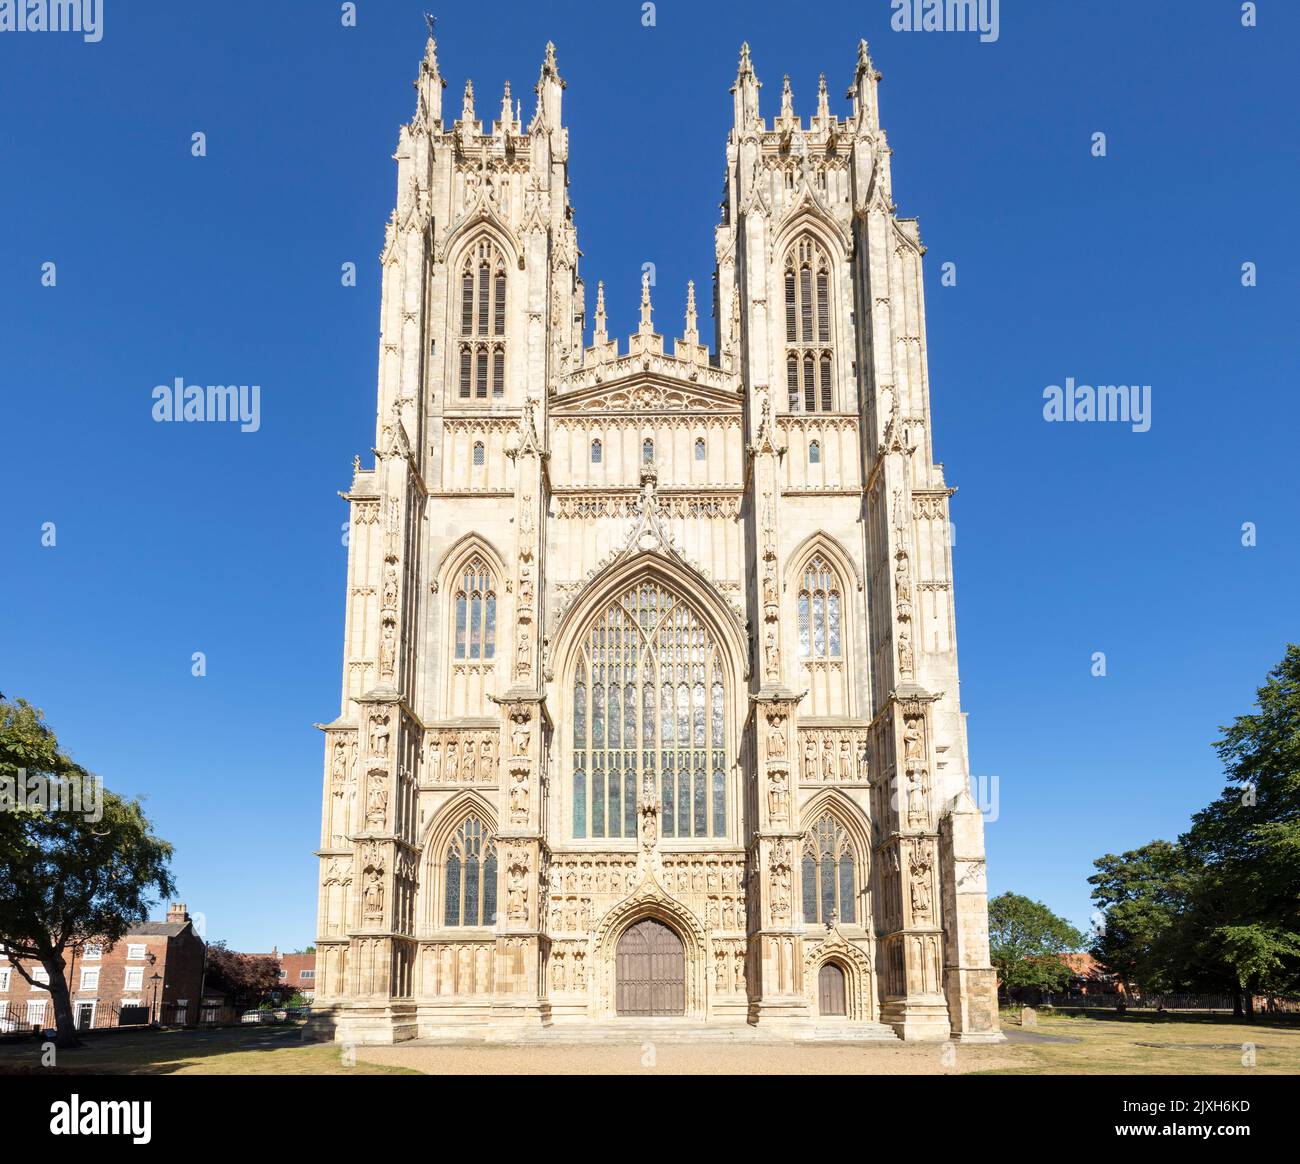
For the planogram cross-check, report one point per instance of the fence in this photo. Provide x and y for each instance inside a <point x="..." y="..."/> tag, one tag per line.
<point x="1210" y="1003"/>
<point x="21" y="1019"/>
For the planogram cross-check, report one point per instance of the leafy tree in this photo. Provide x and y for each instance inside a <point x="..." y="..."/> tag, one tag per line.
<point x="1026" y="941"/>
<point x="68" y="876"/>
<point x="1220" y="910"/>
<point x="246" y="978"/>
<point x="1144" y="892"/>
<point x="1248" y="840"/>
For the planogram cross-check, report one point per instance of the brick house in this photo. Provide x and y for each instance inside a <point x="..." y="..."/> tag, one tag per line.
<point x="297" y="971"/>
<point x="155" y="972"/>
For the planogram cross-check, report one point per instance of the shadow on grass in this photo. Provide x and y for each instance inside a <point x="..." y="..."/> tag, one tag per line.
<point x="149" y="1052"/>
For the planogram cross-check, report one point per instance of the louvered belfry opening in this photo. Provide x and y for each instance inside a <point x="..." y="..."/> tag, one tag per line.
<point x="650" y="970"/>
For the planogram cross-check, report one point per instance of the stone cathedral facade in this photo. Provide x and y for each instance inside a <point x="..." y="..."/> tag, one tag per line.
<point x="650" y="698"/>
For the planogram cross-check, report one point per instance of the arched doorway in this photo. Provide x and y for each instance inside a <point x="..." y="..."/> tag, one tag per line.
<point x="650" y="971"/>
<point x="830" y="991"/>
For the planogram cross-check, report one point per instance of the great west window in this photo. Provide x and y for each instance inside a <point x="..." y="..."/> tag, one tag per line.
<point x="649" y="704"/>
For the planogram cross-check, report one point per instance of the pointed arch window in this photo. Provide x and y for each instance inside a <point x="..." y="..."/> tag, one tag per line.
<point x="699" y="448"/>
<point x="809" y="351"/>
<point x="482" y="323"/>
<point x="815" y="453"/>
<point x="820" y="610"/>
<point x="647" y="451"/>
<point x="476" y="612"/>
<point x="478" y="453"/>
<point x="649" y="705"/>
<point x="597" y="451"/>
<point x="828" y="874"/>
<point x="470" y="876"/>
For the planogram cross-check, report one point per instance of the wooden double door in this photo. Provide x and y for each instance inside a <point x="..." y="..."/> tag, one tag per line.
<point x="650" y="971"/>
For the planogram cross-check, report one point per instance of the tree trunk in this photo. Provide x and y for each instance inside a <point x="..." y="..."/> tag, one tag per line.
<point x="64" y="1022"/>
<point x="1236" y="1002"/>
<point x="1250" y="1001"/>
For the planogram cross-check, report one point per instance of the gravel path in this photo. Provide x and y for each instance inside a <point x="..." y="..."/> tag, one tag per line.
<point x="686" y="1059"/>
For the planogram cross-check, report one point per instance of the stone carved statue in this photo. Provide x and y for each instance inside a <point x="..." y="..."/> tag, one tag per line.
<point x="379" y="733"/>
<point x="904" y="652"/>
<point x="776" y="735"/>
<point x="521" y="734"/>
<point x="913" y="741"/>
<point x="780" y="880"/>
<point x="778" y="794"/>
<point x="772" y="654"/>
<point x="377" y="802"/>
<point x="810" y="760"/>
<point x="517" y="886"/>
<point x="519" y="795"/>
<point x="390" y="584"/>
<point x="374" y="894"/>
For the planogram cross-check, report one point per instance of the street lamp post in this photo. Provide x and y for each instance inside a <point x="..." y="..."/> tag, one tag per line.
<point x="155" y="979"/>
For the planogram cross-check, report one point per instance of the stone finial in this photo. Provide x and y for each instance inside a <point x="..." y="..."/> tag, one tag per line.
<point x="646" y="326"/>
<point x="823" y="102"/>
<point x="745" y="92"/>
<point x="787" y="99"/>
<point x="549" y="66"/>
<point x="692" y="333"/>
<point x="467" y="104"/>
<point x="430" y="84"/>
<point x="600" y="334"/>
<point x="746" y="68"/>
<point x="507" y="110"/>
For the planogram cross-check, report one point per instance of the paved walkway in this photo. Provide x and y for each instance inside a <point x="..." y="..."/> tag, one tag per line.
<point x="650" y="1058"/>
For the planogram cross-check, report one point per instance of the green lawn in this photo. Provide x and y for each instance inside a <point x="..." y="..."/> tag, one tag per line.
<point x="250" y="1050"/>
<point x="1141" y="1045"/>
<point x="1147" y="1045"/>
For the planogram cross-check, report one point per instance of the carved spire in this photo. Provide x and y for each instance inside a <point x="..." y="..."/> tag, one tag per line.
<point x="787" y="99"/>
<point x="549" y="90"/>
<point x="467" y="104"/>
<point x="823" y="103"/>
<point x="430" y="84"/>
<point x="745" y="92"/>
<point x="692" y="334"/>
<point x="600" y="335"/>
<point x="507" y="110"/>
<point x="646" y="327"/>
<point x="863" y="92"/>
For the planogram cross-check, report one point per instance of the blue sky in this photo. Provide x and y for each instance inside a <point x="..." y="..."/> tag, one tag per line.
<point x="1071" y="538"/>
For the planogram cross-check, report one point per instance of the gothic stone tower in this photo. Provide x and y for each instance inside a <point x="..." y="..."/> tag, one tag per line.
<point x="650" y="698"/>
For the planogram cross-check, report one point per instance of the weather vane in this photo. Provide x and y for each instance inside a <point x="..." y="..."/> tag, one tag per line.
<point x="430" y="20"/>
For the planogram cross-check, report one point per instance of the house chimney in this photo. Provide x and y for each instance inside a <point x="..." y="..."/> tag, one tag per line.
<point x="176" y="913"/>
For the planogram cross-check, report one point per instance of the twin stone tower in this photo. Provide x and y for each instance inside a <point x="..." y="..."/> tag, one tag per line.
<point x="650" y="704"/>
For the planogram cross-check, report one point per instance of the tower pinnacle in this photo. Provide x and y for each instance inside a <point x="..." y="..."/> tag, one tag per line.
<point x="646" y="328"/>
<point x="467" y="104"/>
<point x="745" y="92"/>
<point x="600" y="334"/>
<point x="692" y="333"/>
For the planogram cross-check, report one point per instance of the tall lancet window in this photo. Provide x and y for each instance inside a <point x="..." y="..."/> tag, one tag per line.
<point x="470" y="877"/>
<point x="828" y="874"/>
<point x="649" y="706"/>
<point x="482" y="369"/>
<point x="809" y="352"/>
<point x="820" y="612"/>
<point x="476" y="612"/>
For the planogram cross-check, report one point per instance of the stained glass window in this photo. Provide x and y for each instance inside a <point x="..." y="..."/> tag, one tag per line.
<point x="651" y="675"/>
<point x="483" y="314"/>
<point x="808" y="328"/>
<point x="470" y="883"/>
<point x="476" y="613"/>
<point x="827" y="871"/>
<point x="819" y="612"/>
